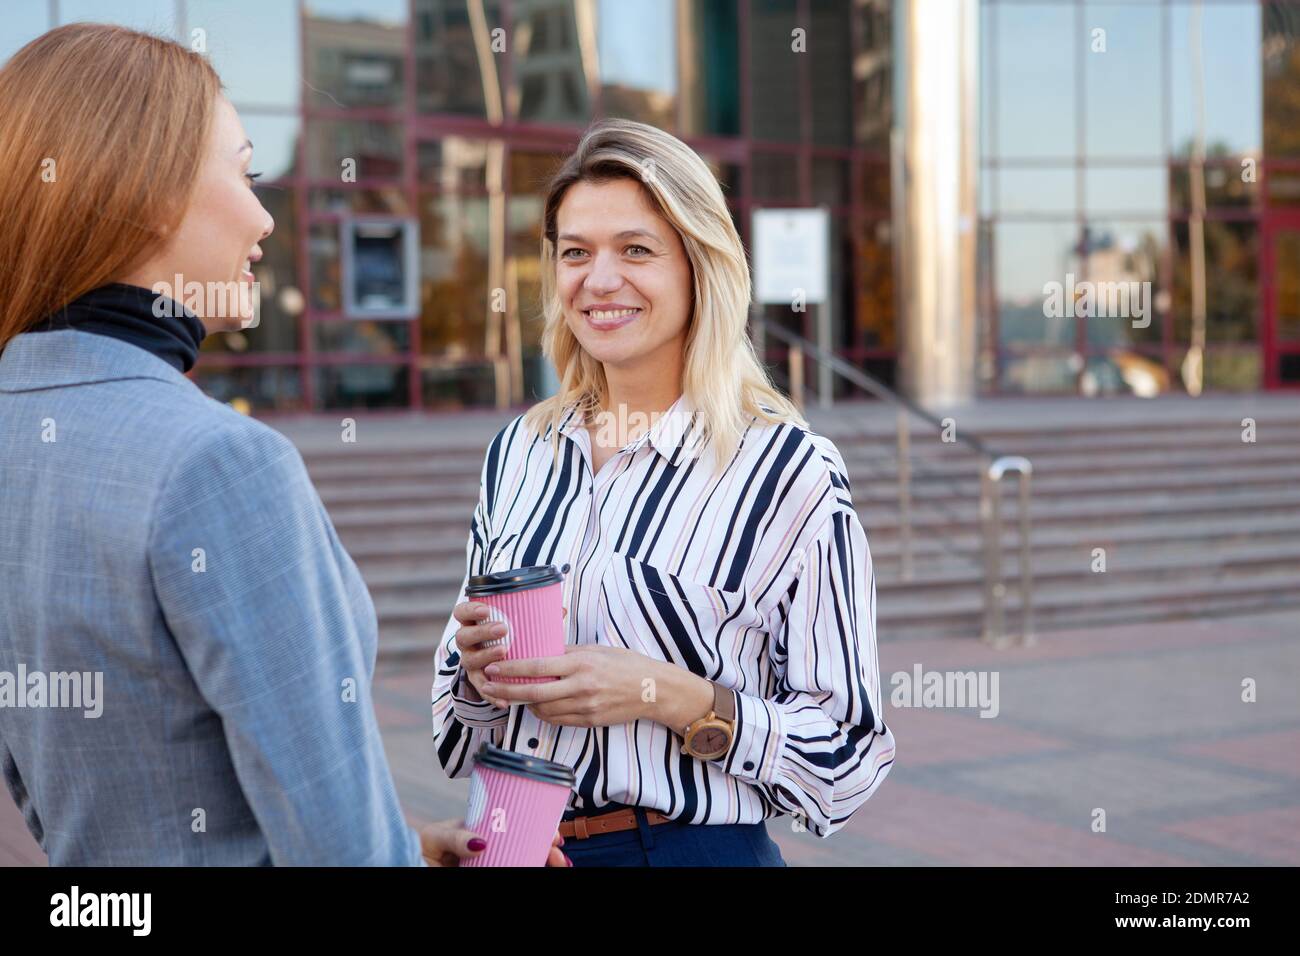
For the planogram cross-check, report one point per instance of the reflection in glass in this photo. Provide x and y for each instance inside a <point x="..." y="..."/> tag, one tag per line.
<point x="1037" y="48"/>
<point x="554" y="49"/>
<point x="454" y="293"/>
<point x="1281" y="66"/>
<point x="24" y="21"/>
<point x="363" y="336"/>
<point x="453" y="164"/>
<point x="458" y="57"/>
<point x="830" y="59"/>
<point x="638" y="61"/>
<point x="1224" y="186"/>
<point x="1231" y="290"/>
<point x="1040" y="373"/>
<point x="324" y="255"/>
<point x="1231" y="75"/>
<point x="1122" y="372"/>
<point x="451" y="385"/>
<point x="255" y="389"/>
<point x="1286" y="283"/>
<point x="873" y="74"/>
<point x="261" y="73"/>
<point x="1027" y="256"/>
<point x="524" y="269"/>
<point x="1127" y="253"/>
<point x="151" y="16"/>
<point x="531" y="171"/>
<point x="355" y="54"/>
<point x="774" y="71"/>
<point x="275" y="144"/>
<point x="1233" y="371"/>
<point x="874" y="309"/>
<point x="375" y="149"/>
<point x="363" y="386"/>
<point x="774" y="177"/>
<point x="708" y="57"/>
<point x="1035" y="190"/>
<point x="1123" y="85"/>
<point x="383" y="200"/>
<point x="830" y="181"/>
<point x="876" y="186"/>
<point x="1131" y="191"/>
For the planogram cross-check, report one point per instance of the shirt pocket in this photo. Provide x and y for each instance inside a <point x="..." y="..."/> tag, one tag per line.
<point x="499" y="553"/>
<point x="666" y="616"/>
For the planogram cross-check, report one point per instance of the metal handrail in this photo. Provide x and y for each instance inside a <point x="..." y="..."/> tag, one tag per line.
<point x="993" y="466"/>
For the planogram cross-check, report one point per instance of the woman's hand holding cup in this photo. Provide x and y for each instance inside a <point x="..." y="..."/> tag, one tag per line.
<point x="477" y="630"/>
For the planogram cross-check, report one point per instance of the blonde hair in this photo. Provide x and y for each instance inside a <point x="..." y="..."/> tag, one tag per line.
<point x="722" y="377"/>
<point x="121" y="119"/>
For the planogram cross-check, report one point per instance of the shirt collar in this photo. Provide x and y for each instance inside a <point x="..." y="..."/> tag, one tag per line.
<point x="673" y="434"/>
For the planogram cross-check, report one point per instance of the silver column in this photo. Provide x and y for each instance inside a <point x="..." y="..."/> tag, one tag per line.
<point x="934" y="142"/>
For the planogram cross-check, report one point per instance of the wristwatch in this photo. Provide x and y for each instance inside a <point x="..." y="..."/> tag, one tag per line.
<point x="710" y="737"/>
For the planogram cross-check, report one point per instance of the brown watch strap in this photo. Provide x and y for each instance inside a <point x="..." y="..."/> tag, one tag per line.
<point x="724" y="702"/>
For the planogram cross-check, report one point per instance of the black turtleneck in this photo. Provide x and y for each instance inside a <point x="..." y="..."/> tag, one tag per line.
<point x="127" y="312"/>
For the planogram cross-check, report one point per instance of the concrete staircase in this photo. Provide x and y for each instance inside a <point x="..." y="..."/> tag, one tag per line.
<point x="1193" y="520"/>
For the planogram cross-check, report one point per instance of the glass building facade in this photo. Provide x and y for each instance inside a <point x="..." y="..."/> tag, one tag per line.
<point x="447" y="116"/>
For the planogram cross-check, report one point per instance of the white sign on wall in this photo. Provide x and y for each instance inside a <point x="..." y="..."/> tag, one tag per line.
<point x="791" y="252"/>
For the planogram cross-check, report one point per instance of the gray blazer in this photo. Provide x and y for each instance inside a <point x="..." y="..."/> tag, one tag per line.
<point x="156" y="542"/>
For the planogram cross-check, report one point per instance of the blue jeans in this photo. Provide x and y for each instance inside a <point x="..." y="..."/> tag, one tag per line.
<point x="677" y="844"/>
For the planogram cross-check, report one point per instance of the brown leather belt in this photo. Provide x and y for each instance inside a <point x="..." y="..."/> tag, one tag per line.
<point x="582" y="827"/>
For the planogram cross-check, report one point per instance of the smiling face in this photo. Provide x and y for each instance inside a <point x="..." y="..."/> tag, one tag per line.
<point x="217" y="241"/>
<point x="623" y="277"/>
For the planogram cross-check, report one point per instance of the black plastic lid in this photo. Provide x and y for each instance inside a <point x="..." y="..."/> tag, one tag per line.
<point x="523" y="765"/>
<point x="515" y="579"/>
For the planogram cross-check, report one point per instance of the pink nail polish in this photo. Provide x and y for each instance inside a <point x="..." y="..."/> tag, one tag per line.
<point x="478" y="843"/>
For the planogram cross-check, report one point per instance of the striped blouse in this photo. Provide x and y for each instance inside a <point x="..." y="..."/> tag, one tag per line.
<point x="758" y="578"/>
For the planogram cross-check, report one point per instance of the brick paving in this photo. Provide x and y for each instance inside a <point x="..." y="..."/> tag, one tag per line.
<point x="1144" y="721"/>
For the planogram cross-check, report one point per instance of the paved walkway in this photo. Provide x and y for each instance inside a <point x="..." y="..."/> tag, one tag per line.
<point x="1145" y="722"/>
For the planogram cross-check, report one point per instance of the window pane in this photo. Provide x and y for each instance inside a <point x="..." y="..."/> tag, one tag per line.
<point x="275" y="144"/>
<point x="530" y="171"/>
<point x="452" y="385"/>
<point x="151" y="16"/>
<point x="1123" y="84"/>
<point x="1028" y="255"/>
<point x="1123" y="372"/>
<point x="1233" y="371"/>
<point x="1224" y="186"/>
<point x="1035" y="191"/>
<point x="454" y="164"/>
<point x="262" y="73"/>
<point x="1036" y="50"/>
<point x="829" y="59"/>
<point x="874" y="310"/>
<point x="1231" y="78"/>
<point x="24" y="21"/>
<point x="363" y="337"/>
<point x="830" y="180"/>
<point x="774" y="71"/>
<point x="774" y="177"/>
<point x="876" y="186"/>
<point x="709" y="63"/>
<point x="638" y="61"/>
<point x="323" y="252"/>
<point x="374" y="149"/>
<point x="1136" y="190"/>
<point x="384" y="200"/>
<point x="1126" y="256"/>
<point x="1286" y="284"/>
<point x="552" y="48"/>
<point x="363" y="386"/>
<point x="355" y="53"/>
<point x="271" y="389"/>
<point x="873" y="73"/>
<point x="1281" y="55"/>
<point x="1231" y="290"/>
<point x="458" y="58"/>
<point x="1040" y="373"/>
<point x="453" y="275"/>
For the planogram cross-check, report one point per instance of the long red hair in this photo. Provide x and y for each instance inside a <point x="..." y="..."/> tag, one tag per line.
<point x="103" y="136"/>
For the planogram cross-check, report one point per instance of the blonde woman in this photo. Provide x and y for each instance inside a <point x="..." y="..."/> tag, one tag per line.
<point x="720" y="603"/>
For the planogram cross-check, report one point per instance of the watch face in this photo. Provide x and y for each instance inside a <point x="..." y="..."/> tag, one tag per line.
<point x="710" y="740"/>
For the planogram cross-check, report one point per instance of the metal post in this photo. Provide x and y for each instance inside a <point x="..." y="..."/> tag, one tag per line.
<point x="994" y="589"/>
<point x="1027" y="638"/>
<point x="904" y="494"/>
<point x="796" y="374"/>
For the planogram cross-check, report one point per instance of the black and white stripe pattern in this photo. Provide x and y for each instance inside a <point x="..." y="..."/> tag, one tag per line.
<point x="759" y="578"/>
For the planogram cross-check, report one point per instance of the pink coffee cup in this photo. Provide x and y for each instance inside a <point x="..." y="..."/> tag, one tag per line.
<point x="516" y="802"/>
<point x="530" y="603"/>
